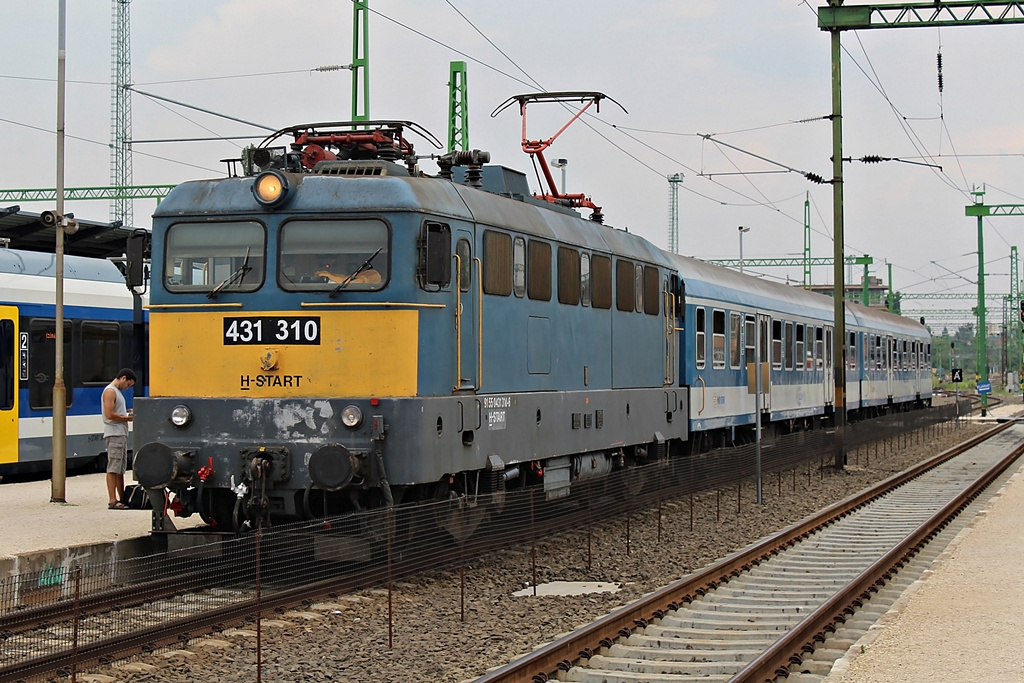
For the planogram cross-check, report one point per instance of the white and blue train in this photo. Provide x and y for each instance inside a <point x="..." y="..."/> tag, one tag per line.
<point x="98" y="341"/>
<point x="337" y="331"/>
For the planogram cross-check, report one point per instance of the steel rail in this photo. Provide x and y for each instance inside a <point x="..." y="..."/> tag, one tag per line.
<point x="803" y="638"/>
<point x="544" y="663"/>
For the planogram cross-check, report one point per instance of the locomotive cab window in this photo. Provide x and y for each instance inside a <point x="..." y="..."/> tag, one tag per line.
<point x="325" y="255"/>
<point x="465" y="254"/>
<point x="200" y="257"/>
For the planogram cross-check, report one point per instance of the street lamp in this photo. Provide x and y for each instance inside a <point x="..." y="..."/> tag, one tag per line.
<point x="742" y="230"/>
<point x="561" y="163"/>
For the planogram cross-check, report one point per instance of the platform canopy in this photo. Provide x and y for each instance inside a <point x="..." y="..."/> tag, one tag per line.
<point x="23" y="230"/>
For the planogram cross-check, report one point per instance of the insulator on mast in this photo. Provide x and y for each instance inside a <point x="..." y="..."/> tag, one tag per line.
<point x="938" y="62"/>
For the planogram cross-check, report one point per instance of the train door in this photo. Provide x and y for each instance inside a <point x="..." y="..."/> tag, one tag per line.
<point x="764" y="325"/>
<point x="829" y="375"/>
<point x="10" y="363"/>
<point x="467" y="313"/>
<point x="890" y="359"/>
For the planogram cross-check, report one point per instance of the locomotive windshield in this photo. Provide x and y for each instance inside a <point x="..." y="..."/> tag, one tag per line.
<point x="202" y="257"/>
<point x="332" y="254"/>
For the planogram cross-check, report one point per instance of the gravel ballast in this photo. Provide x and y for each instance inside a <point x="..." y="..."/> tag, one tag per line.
<point x="347" y="638"/>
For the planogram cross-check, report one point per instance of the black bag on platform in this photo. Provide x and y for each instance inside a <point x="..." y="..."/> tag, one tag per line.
<point x="135" y="498"/>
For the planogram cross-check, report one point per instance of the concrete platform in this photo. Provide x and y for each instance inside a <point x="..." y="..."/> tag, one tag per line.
<point x="963" y="619"/>
<point x="36" y="534"/>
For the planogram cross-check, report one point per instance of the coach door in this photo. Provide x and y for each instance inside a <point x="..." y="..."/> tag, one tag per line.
<point x="467" y="311"/>
<point x="891" y="356"/>
<point x="764" y="326"/>
<point x="9" y="373"/>
<point x="829" y="376"/>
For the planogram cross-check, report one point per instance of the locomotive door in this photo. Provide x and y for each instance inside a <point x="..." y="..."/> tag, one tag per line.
<point x="9" y="374"/>
<point x="764" y="324"/>
<point x="829" y="376"/>
<point x="467" y="311"/>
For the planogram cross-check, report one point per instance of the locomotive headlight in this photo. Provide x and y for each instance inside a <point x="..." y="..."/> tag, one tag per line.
<point x="270" y="188"/>
<point x="351" y="416"/>
<point x="181" y="416"/>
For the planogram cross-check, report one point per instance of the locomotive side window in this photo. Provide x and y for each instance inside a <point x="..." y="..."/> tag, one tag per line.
<point x="568" y="276"/>
<point x="601" y="272"/>
<point x="799" y="357"/>
<point x="497" y="263"/>
<point x="701" y="338"/>
<point x="538" y="283"/>
<point x="624" y="285"/>
<point x="652" y="292"/>
<point x="718" y="339"/>
<point x="519" y="267"/>
<point x="436" y="256"/>
<point x="465" y="254"/>
<point x="101" y="351"/>
<point x="202" y="256"/>
<point x="585" y="279"/>
<point x="789" y="346"/>
<point x="777" y="344"/>
<point x="326" y="255"/>
<point x="735" y="327"/>
<point x="42" y="351"/>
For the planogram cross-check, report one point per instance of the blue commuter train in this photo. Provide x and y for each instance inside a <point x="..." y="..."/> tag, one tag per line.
<point x="335" y="331"/>
<point x="98" y="341"/>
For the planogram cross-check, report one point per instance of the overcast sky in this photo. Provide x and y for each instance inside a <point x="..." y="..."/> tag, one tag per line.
<point x="754" y="73"/>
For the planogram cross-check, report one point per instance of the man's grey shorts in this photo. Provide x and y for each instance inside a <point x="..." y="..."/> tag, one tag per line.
<point x="117" y="454"/>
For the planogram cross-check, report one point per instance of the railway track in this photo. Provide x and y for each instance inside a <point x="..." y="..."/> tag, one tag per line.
<point x="793" y="603"/>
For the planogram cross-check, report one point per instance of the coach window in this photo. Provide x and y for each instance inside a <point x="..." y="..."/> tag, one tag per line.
<point x="652" y="291"/>
<point x="42" y="351"/>
<point x="718" y="339"/>
<point x="519" y="267"/>
<point x="101" y="351"/>
<point x="568" y="276"/>
<point x="777" y="344"/>
<point x="750" y="337"/>
<point x="819" y="348"/>
<point x="735" y="327"/>
<point x="638" y="287"/>
<point x="906" y="356"/>
<point x="538" y="262"/>
<point x="585" y="279"/>
<point x="8" y="363"/>
<point x="701" y="338"/>
<point x="497" y="263"/>
<point x="321" y="256"/>
<point x="799" y="356"/>
<point x="601" y="275"/>
<point x="624" y="285"/>
<point x="852" y="351"/>
<point x="202" y="256"/>
<point x="789" y="346"/>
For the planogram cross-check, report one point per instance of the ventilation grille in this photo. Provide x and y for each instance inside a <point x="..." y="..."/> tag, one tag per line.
<point x="359" y="169"/>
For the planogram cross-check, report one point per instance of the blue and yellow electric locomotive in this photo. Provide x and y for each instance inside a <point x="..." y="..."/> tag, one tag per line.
<point x="335" y="331"/>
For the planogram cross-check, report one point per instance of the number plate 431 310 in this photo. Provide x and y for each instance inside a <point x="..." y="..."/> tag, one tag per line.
<point x="272" y="330"/>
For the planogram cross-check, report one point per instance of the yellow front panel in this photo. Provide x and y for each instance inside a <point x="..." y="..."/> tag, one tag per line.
<point x="9" y="418"/>
<point x="360" y="353"/>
